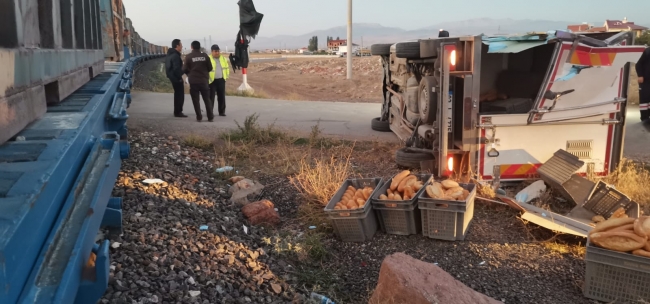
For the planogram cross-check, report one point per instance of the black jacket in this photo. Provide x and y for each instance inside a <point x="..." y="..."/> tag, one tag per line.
<point x="197" y="67"/>
<point x="174" y="66"/>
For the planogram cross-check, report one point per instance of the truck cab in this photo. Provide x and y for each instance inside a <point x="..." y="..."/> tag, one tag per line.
<point x="497" y="107"/>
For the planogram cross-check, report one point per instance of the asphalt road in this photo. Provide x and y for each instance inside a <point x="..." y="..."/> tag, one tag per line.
<point x="338" y="119"/>
<point x="153" y="111"/>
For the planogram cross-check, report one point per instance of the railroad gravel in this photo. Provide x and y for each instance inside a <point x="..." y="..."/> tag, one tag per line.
<point x="163" y="256"/>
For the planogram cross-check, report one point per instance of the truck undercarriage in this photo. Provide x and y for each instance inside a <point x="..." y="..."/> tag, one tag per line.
<point x="445" y="98"/>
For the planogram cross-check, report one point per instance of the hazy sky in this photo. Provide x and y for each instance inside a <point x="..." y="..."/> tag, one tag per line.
<point x="157" y="20"/>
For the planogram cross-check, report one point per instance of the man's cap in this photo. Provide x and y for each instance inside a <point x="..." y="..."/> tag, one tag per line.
<point x="215" y="47"/>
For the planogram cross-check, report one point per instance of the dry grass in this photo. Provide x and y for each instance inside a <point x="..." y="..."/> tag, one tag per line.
<point x="293" y="96"/>
<point x="198" y="142"/>
<point x="256" y="94"/>
<point x="319" y="179"/>
<point x="632" y="179"/>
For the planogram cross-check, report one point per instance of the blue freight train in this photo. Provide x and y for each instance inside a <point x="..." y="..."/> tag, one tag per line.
<point x="67" y="69"/>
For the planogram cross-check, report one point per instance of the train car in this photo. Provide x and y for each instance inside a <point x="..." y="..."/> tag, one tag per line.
<point x="64" y="92"/>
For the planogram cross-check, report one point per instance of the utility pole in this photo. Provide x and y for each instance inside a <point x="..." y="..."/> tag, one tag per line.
<point x="349" y="42"/>
<point x="210" y="40"/>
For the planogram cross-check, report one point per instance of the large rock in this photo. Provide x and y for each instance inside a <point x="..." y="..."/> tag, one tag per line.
<point x="262" y="212"/>
<point x="244" y="190"/>
<point x="403" y="279"/>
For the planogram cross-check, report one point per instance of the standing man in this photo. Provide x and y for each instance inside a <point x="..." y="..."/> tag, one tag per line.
<point x="218" y="77"/>
<point x="174" y="68"/>
<point x="198" y="67"/>
<point x="643" y="71"/>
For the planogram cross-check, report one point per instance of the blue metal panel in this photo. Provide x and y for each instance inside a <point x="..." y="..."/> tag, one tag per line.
<point x="72" y="238"/>
<point x="54" y="193"/>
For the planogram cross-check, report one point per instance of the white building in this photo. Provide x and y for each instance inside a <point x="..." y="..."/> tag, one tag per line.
<point x="343" y="49"/>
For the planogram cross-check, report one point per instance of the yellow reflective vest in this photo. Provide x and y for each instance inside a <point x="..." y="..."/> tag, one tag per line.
<point x="225" y="68"/>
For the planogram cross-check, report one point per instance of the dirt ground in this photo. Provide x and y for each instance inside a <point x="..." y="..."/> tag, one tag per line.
<point x="321" y="79"/>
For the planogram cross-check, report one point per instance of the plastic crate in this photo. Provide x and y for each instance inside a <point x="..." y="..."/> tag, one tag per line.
<point x="399" y="217"/>
<point x="616" y="276"/>
<point x="356" y="225"/>
<point x="447" y="220"/>
<point x="604" y="200"/>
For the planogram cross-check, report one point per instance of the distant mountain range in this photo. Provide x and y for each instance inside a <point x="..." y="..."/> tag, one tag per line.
<point x="376" y="33"/>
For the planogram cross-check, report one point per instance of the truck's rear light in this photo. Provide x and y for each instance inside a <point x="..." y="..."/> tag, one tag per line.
<point x="451" y="50"/>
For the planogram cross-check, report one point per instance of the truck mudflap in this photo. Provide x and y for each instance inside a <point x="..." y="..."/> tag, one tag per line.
<point x="591" y="198"/>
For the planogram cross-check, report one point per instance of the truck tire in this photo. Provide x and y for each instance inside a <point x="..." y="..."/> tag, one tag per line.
<point x="409" y="159"/>
<point x="379" y="125"/>
<point x="428" y="99"/>
<point x="381" y="49"/>
<point x="407" y="50"/>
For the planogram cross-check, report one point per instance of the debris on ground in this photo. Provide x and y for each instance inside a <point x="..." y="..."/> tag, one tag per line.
<point x="244" y="190"/>
<point x="261" y="212"/>
<point x="404" y="279"/>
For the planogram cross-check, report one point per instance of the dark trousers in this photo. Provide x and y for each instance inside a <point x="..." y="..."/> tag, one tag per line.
<point x="644" y="100"/>
<point x="179" y="97"/>
<point x="197" y="91"/>
<point x="218" y="86"/>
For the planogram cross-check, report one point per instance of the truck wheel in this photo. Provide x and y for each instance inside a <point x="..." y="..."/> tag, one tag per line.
<point x="409" y="159"/>
<point x="428" y="99"/>
<point x="382" y="49"/>
<point x="379" y="125"/>
<point x="407" y="50"/>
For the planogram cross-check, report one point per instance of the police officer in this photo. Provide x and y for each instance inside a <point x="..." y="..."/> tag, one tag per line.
<point x="643" y="72"/>
<point x="197" y="67"/>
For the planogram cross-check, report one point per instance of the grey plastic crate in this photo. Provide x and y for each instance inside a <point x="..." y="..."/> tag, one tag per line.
<point x="375" y="183"/>
<point x="358" y="225"/>
<point x="352" y="227"/>
<point x="616" y="276"/>
<point x="604" y="200"/>
<point x="447" y="220"/>
<point x="399" y="217"/>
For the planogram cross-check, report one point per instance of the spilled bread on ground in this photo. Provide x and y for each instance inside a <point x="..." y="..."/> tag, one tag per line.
<point x="403" y="187"/>
<point x="354" y="198"/>
<point x="448" y="190"/>
<point x="623" y="234"/>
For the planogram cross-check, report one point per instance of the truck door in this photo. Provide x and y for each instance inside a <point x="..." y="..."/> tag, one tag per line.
<point x="585" y="82"/>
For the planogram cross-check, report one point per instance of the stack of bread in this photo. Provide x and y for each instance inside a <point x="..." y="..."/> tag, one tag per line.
<point x="448" y="190"/>
<point x="403" y="187"/>
<point x="623" y="234"/>
<point x="354" y="198"/>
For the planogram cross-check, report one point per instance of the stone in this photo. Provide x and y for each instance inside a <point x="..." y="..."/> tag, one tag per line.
<point x="276" y="288"/>
<point x="261" y="212"/>
<point x="244" y="189"/>
<point x="403" y="279"/>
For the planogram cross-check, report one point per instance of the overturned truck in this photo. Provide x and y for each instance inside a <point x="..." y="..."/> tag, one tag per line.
<point x="497" y="108"/>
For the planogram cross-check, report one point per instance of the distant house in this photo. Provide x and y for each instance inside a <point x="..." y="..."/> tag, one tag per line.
<point x="333" y="45"/>
<point x="344" y="49"/>
<point x="609" y="26"/>
<point x="303" y="50"/>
